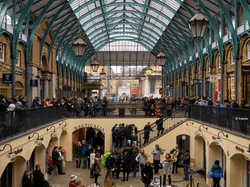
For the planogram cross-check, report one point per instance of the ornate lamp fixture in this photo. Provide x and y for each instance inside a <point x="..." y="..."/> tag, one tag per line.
<point x="65" y="127"/>
<point x="199" y="131"/>
<point x="38" y="140"/>
<point x="79" y="46"/>
<point x="12" y="154"/>
<point x="198" y="24"/>
<point x="161" y="58"/>
<point x="148" y="70"/>
<point x="103" y="74"/>
<point x="54" y="133"/>
<point x="94" y="65"/>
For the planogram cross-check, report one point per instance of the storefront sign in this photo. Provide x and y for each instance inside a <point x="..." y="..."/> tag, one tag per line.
<point x="19" y="73"/>
<point x="196" y="81"/>
<point x="245" y="70"/>
<point x="230" y="75"/>
<point x="33" y="83"/>
<point x="7" y="78"/>
<point x="183" y="83"/>
<point x="89" y="125"/>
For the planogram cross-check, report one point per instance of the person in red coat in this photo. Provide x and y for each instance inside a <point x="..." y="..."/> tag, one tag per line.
<point x="73" y="182"/>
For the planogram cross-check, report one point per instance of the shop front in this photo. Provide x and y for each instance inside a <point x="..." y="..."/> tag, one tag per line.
<point x="246" y="82"/>
<point x="230" y="85"/>
<point x="207" y="86"/>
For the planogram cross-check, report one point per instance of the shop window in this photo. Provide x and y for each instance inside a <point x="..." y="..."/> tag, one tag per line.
<point x="248" y="50"/>
<point x="232" y="57"/>
<point x="2" y="52"/>
<point x="18" y="58"/>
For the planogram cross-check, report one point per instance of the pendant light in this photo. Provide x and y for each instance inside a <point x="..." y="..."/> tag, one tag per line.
<point x="103" y="74"/>
<point x="79" y="45"/>
<point x="161" y="57"/>
<point x="94" y="65"/>
<point x="198" y="24"/>
<point x="148" y="70"/>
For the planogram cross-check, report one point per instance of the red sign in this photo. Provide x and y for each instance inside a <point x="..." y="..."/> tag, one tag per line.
<point x="227" y="153"/>
<point x="134" y="91"/>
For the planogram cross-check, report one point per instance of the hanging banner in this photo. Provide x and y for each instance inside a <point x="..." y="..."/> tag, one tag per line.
<point x="196" y="81"/>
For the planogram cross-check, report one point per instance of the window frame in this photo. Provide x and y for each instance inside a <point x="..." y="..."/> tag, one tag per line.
<point x="18" y="60"/>
<point x="3" y="51"/>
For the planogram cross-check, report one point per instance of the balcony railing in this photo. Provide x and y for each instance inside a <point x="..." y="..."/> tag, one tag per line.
<point x="15" y="122"/>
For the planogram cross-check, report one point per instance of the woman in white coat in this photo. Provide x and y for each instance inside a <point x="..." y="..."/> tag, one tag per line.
<point x="167" y="169"/>
<point x="92" y="161"/>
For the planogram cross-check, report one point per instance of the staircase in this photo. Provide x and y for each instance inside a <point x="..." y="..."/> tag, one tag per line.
<point x="170" y="123"/>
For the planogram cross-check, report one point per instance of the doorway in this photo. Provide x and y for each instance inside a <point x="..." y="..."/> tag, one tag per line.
<point x="6" y="178"/>
<point x="207" y="87"/>
<point x="183" y="141"/>
<point x="42" y="89"/>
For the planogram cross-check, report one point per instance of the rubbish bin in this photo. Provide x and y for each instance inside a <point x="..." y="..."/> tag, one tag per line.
<point x="121" y="112"/>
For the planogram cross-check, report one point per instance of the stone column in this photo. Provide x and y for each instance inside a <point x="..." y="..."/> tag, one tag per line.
<point x="46" y="88"/>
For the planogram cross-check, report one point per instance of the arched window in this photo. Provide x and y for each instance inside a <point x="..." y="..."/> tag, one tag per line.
<point x="248" y="50"/>
<point x="240" y="18"/>
<point x="232" y="57"/>
<point x="218" y="59"/>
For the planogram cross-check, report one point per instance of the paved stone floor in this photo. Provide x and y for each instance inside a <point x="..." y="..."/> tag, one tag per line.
<point x="83" y="176"/>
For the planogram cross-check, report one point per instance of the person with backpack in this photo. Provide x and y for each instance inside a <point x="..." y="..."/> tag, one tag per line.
<point x="126" y="166"/>
<point x="118" y="161"/>
<point x="109" y="164"/>
<point x="217" y="173"/>
<point x="116" y="137"/>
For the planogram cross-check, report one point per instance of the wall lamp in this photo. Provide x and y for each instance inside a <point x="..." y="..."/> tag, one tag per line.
<point x="38" y="140"/>
<point x="65" y="127"/>
<point x="247" y="153"/>
<point x="199" y="131"/>
<point x="218" y="138"/>
<point x="53" y="134"/>
<point x="12" y="154"/>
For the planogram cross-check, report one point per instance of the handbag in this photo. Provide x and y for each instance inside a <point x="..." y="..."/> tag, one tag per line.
<point x="210" y="174"/>
<point x="63" y="164"/>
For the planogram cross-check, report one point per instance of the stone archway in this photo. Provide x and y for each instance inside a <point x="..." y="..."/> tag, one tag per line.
<point x="238" y="171"/>
<point x="199" y="152"/>
<point x="19" y="166"/>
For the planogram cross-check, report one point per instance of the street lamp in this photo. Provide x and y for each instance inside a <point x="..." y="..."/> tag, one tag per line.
<point x="103" y="74"/>
<point x="198" y="24"/>
<point x="79" y="46"/>
<point x="161" y="58"/>
<point x="94" y="65"/>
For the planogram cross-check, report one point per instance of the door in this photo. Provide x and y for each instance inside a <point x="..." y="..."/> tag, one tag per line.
<point x="204" y="155"/>
<point x="183" y="141"/>
<point x="199" y="89"/>
<point x="42" y="89"/>
<point x="207" y="89"/>
<point x="6" y="178"/>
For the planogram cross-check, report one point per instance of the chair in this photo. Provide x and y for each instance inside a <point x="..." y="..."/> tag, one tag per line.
<point x="191" y="166"/>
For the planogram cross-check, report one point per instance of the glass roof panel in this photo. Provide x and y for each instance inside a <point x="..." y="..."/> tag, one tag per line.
<point x="91" y="28"/>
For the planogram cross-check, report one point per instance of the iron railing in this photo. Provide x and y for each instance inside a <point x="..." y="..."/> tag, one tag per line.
<point x="18" y="121"/>
<point x="173" y="119"/>
<point x="234" y="119"/>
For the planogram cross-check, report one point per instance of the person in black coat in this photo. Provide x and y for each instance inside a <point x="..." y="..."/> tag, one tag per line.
<point x="105" y="107"/>
<point x="38" y="177"/>
<point x="118" y="161"/>
<point x="56" y="160"/>
<point x="147" y="174"/>
<point x="129" y="130"/>
<point x="116" y="138"/>
<point x="159" y="124"/>
<point x="26" y="181"/>
<point x="147" y="130"/>
<point x="126" y="166"/>
<point x="3" y="109"/>
<point x="78" y="154"/>
<point x="146" y="107"/>
<point x="87" y="154"/>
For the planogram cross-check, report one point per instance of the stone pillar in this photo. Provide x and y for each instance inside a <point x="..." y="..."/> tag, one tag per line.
<point x="53" y="90"/>
<point x="46" y="88"/>
<point x="34" y="91"/>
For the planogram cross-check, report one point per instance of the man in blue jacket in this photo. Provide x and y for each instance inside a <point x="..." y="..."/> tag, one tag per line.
<point x="84" y="149"/>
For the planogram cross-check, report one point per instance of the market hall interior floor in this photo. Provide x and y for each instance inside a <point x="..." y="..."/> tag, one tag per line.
<point x="83" y="175"/>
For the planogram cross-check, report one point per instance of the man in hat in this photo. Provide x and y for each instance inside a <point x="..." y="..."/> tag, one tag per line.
<point x="157" y="152"/>
<point x="73" y="182"/>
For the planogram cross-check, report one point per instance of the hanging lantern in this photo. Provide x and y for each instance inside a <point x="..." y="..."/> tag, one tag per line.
<point x="103" y="74"/>
<point x="94" y="65"/>
<point x="161" y="58"/>
<point x="198" y="24"/>
<point x="79" y="46"/>
<point x="148" y="70"/>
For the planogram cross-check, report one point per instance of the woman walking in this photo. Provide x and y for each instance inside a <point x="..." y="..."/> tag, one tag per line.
<point x="147" y="173"/>
<point x="78" y="155"/>
<point x="97" y="167"/>
<point x="217" y="171"/>
<point x="92" y="163"/>
<point x="167" y="169"/>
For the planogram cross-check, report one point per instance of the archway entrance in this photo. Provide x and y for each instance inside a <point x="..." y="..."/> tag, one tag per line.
<point x="92" y="135"/>
<point x="6" y="178"/>
<point x="200" y="152"/>
<point x="183" y="141"/>
<point x="239" y="175"/>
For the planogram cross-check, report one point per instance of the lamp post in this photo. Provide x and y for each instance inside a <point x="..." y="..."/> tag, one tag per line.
<point x="94" y="65"/>
<point x="198" y="24"/>
<point x="79" y="46"/>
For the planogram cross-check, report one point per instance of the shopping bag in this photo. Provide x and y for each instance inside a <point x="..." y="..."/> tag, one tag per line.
<point x="63" y="164"/>
<point x="210" y="174"/>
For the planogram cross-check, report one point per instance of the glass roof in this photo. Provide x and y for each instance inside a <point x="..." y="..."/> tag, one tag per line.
<point x="107" y="21"/>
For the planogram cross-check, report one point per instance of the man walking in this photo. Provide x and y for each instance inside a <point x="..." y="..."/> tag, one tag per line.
<point x="56" y="160"/>
<point x="84" y="149"/>
<point x="110" y="162"/>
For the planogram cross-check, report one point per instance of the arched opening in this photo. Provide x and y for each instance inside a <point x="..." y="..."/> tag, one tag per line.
<point x="44" y="62"/>
<point x="239" y="175"/>
<point x="19" y="88"/>
<point x="200" y="153"/>
<point x="6" y="178"/>
<point x="19" y="166"/>
<point x="183" y="141"/>
<point x="216" y="153"/>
